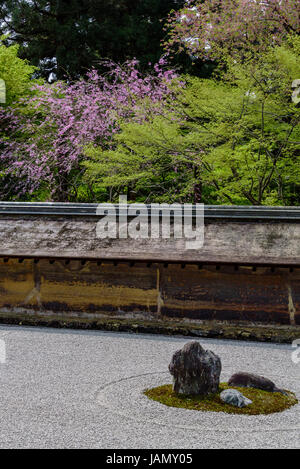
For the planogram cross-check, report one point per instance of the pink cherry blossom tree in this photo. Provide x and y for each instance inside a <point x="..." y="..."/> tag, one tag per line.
<point x="208" y="29"/>
<point x="42" y="138"/>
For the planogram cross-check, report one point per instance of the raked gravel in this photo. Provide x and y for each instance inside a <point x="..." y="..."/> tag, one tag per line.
<point x="84" y="389"/>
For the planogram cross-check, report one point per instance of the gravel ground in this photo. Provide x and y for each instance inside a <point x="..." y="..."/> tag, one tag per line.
<point x="83" y="389"/>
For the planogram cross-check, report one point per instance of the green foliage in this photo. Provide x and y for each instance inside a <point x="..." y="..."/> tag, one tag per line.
<point x="232" y="140"/>
<point x="69" y="37"/>
<point x="15" y="72"/>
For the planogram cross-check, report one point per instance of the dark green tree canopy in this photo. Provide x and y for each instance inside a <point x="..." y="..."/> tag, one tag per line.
<point x="68" y="37"/>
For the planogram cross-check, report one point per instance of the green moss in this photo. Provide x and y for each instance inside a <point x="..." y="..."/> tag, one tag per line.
<point x="263" y="402"/>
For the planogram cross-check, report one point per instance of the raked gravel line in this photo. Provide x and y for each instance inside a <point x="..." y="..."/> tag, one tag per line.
<point x="83" y="389"/>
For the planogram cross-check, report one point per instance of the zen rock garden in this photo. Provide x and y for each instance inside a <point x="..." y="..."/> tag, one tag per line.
<point x="196" y="386"/>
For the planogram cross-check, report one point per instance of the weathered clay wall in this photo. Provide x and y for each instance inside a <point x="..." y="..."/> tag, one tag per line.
<point x="87" y="289"/>
<point x="225" y="241"/>
<point x="247" y="271"/>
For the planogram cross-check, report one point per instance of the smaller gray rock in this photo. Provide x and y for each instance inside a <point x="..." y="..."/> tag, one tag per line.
<point x="235" y="398"/>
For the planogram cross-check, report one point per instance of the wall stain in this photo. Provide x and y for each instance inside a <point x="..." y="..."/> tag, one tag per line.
<point x="291" y="306"/>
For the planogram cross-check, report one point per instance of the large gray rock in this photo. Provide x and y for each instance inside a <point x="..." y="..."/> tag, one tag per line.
<point x="250" y="380"/>
<point x="235" y="398"/>
<point x="195" y="370"/>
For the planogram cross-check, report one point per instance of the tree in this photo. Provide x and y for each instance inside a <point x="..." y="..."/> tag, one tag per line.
<point x="15" y="72"/>
<point x="16" y="75"/>
<point x="68" y="37"/>
<point x="212" y="29"/>
<point x="235" y="140"/>
<point x="45" y="135"/>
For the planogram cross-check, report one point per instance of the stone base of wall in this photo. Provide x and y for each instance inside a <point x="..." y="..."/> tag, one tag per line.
<point x="208" y="329"/>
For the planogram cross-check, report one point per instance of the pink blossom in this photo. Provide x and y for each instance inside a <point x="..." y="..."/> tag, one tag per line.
<point x="45" y="145"/>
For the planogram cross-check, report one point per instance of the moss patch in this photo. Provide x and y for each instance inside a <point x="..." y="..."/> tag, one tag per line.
<point x="263" y="402"/>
